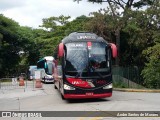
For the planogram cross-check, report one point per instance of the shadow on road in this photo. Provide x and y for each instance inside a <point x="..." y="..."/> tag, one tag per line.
<point x="47" y="82"/>
<point x="86" y="100"/>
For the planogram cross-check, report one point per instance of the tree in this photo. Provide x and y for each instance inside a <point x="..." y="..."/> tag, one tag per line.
<point x="151" y="72"/>
<point x="51" y="23"/>
<point x="76" y="25"/>
<point x="17" y="47"/>
<point x="63" y="19"/>
<point x="105" y="25"/>
<point x="48" y="23"/>
<point x="28" y="36"/>
<point x="120" y="18"/>
<point x="49" y="41"/>
<point x="10" y="45"/>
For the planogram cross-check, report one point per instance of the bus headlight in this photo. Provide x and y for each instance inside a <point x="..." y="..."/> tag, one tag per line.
<point x="108" y="86"/>
<point x="67" y="87"/>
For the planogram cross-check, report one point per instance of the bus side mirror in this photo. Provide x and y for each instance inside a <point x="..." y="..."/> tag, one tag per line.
<point x="114" y="50"/>
<point x="61" y="50"/>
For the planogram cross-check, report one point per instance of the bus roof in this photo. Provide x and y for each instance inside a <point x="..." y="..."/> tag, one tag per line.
<point x="82" y="36"/>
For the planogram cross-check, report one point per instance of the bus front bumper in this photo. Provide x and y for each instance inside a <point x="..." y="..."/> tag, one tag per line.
<point x="81" y="96"/>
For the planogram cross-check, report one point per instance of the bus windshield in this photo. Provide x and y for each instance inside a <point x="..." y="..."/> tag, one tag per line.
<point x="83" y="60"/>
<point x="50" y="67"/>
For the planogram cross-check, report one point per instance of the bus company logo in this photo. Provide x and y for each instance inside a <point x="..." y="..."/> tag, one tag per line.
<point x="78" y="82"/>
<point x="86" y="37"/>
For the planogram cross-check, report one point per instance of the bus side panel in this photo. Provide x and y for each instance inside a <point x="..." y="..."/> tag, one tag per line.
<point x="58" y="77"/>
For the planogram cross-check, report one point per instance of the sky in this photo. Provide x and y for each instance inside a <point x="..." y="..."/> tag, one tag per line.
<point x="31" y="12"/>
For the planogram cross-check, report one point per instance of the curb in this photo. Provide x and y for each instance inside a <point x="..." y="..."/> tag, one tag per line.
<point x="136" y="90"/>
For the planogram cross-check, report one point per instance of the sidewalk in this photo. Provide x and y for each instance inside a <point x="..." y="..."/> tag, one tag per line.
<point x="137" y="90"/>
<point x="20" y="93"/>
<point x="9" y="90"/>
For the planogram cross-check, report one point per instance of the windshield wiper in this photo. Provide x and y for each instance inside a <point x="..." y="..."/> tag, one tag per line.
<point x="79" y="74"/>
<point x="93" y="70"/>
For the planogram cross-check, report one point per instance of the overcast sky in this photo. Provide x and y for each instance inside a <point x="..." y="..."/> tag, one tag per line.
<point x="31" y="12"/>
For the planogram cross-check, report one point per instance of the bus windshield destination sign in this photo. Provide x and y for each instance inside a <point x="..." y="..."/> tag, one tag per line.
<point x="86" y="37"/>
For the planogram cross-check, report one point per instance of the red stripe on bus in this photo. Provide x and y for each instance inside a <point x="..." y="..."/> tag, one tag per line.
<point x="89" y="44"/>
<point x="78" y="96"/>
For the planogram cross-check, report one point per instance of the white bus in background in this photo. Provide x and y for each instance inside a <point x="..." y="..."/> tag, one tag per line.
<point x="46" y="66"/>
<point x="32" y="69"/>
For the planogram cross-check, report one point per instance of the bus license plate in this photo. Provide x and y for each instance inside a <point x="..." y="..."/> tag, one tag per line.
<point x="89" y="94"/>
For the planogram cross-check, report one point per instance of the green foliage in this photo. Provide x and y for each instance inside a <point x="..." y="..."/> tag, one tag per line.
<point x="10" y="46"/>
<point x="139" y="31"/>
<point x="51" y="23"/>
<point x="151" y="72"/>
<point x="136" y="30"/>
<point x="63" y="19"/>
<point x="17" y="46"/>
<point x="57" y="29"/>
<point x="26" y="36"/>
<point x="143" y="3"/>
<point x="76" y="25"/>
<point x="104" y="25"/>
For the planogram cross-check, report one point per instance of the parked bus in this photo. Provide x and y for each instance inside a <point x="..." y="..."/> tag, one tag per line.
<point x="32" y="69"/>
<point x="46" y="65"/>
<point x="84" y="66"/>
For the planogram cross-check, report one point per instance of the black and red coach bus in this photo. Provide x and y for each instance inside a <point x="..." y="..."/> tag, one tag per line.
<point x="84" y="66"/>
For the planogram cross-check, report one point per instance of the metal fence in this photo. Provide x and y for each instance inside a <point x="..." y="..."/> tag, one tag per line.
<point x="127" y="77"/>
<point x="14" y="83"/>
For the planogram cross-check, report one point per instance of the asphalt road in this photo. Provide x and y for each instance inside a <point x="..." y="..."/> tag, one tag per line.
<point x="49" y="99"/>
